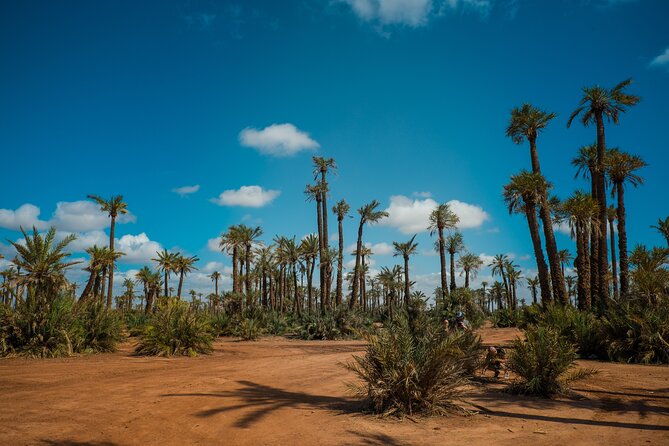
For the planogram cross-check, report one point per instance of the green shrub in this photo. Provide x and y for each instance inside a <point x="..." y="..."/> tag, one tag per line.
<point x="636" y="332"/>
<point x="135" y="321"/>
<point x="249" y="329"/>
<point x="466" y="346"/>
<point x="221" y="324"/>
<point x="275" y="324"/>
<point x="175" y="329"/>
<point x="101" y="329"/>
<point x="404" y="372"/>
<point x="40" y="329"/>
<point x="320" y="327"/>
<point x="580" y="328"/>
<point x="507" y="317"/>
<point x="543" y="362"/>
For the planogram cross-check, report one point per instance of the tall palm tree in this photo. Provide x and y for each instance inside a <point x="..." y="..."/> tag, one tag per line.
<point x="406" y="250"/>
<point x="470" y="265"/>
<point x="586" y="166"/>
<point x="454" y="244"/>
<point x="442" y="218"/>
<point x="621" y="169"/>
<point x="110" y="257"/>
<point x="596" y="104"/>
<point x="249" y="237"/>
<point x="321" y="167"/>
<point x="315" y="193"/>
<point x="115" y="206"/>
<point x="498" y="266"/>
<point x="144" y="276"/>
<point x="183" y="266"/>
<point x="581" y="212"/>
<point x="513" y="275"/>
<point x="570" y="281"/>
<point x="522" y="194"/>
<point x="166" y="264"/>
<point x="368" y="214"/>
<point x="43" y="265"/>
<point x="341" y="210"/>
<point x="533" y="284"/>
<point x="663" y="228"/>
<point x="129" y="294"/>
<point x="525" y="124"/>
<point x="309" y="248"/>
<point x="565" y="259"/>
<point x="95" y="262"/>
<point x="231" y="242"/>
<point x="612" y="216"/>
<point x="215" y="277"/>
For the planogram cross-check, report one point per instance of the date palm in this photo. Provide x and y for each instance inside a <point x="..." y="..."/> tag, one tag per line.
<point x="341" y="210"/>
<point x="454" y="244"/>
<point x="663" y="228"/>
<point x="183" y="266"/>
<point x="309" y="248"/>
<point x="612" y="216"/>
<point x="316" y="192"/>
<point x="565" y="259"/>
<point x="249" y="237"/>
<point x="231" y="243"/>
<point x="114" y="207"/>
<point x="442" y="218"/>
<point x="533" y="284"/>
<point x="405" y="250"/>
<point x="94" y="268"/>
<point x="498" y="266"/>
<point x="166" y="265"/>
<point x="596" y="105"/>
<point x="368" y="214"/>
<point x="522" y="195"/>
<point x="144" y="276"/>
<point x="215" y="277"/>
<point x="525" y="124"/>
<point x="470" y="265"/>
<point x="321" y="167"/>
<point x="621" y="169"/>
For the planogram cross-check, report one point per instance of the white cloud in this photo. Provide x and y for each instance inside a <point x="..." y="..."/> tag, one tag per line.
<point x="412" y="13"/>
<point x="27" y="216"/>
<point x="247" y="196"/>
<point x="277" y="140"/>
<point x="213" y="244"/>
<point x="85" y="240"/>
<point x="186" y="190"/>
<point x="137" y="248"/>
<point x="661" y="60"/>
<point x="412" y="216"/>
<point x="562" y="227"/>
<point x="422" y="194"/>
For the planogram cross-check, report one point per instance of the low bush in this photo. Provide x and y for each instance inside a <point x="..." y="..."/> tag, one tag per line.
<point x="135" y="321"/>
<point x="221" y="324"/>
<point x="176" y="329"/>
<point x="507" y="317"/>
<point x="404" y="372"/>
<point x="320" y="327"/>
<point x="543" y="362"/>
<point x="249" y="329"/>
<point x="101" y="329"/>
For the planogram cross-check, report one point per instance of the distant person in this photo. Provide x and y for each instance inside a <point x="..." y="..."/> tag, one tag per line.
<point x="494" y="360"/>
<point x="447" y="325"/>
<point x="460" y="322"/>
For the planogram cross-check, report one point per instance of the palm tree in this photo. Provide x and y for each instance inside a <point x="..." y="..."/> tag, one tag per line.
<point x="109" y="259"/>
<point x="650" y="277"/>
<point x="442" y="218"/>
<point x="621" y="170"/>
<point x="570" y="281"/>
<point x="368" y="214"/>
<point x="144" y="275"/>
<point x="523" y="194"/>
<point x="513" y="275"/>
<point x="612" y="215"/>
<point x="95" y="261"/>
<point x="183" y="266"/>
<point x="663" y="228"/>
<point x="153" y="284"/>
<point x="596" y="104"/>
<point x="42" y="262"/>
<point x="525" y="124"/>
<point x="129" y="286"/>
<point x="316" y="193"/>
<point x="166" y="264"/>
<point x="565" y="259"/>
<point x="215" y="277"/>
<point x="341" y="210"/>
<point x="249" y="237"/>
<point x="581" y="212"/>
<point x="321" y="167"/>
<point x="470" y="265"/>
<point x="231" y="242"/>
<point x="405" y="250"/>
<point x="586" y="166"/>
<point x="309" y="248"/>
<point x="115" y="206"/>
<point x="498" y="266"/>
<point x="454" y="244"/>
<point x="533" y="284"/>
<point x="290" y="251"/>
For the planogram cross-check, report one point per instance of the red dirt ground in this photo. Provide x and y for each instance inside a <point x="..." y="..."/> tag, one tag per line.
<point x="283" y="392"/>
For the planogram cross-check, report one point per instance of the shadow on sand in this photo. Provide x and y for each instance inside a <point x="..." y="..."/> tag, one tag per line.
<point x="262" y="400"/>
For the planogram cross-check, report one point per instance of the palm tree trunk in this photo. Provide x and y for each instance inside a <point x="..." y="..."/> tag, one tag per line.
<point x="166" y="280"/>
<point x="614" y="266"/>
<point x="181" y="281"/>
<point x="557" y="280"/>
<point x="249" y="296"/>
<point x="542" y="268"/>
<point x="622" y="241"/>
<point x="89" y="287"/>
<point x="103" y="284"/>
<point x="442" y="261"/>
<point x="354" y="293"/>
<point x="110" y="291"/>
<point x="407" y="291"/>
<point x="452" y="255"/>
<point x="310" y="271"/>
<point x="603" y="262"/>
<point x="534" y="155"/>
<point x="340" y="263"/>
<point x="326" y="242"/>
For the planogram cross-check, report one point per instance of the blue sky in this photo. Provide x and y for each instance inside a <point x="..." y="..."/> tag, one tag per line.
<point x="410" y="97"/>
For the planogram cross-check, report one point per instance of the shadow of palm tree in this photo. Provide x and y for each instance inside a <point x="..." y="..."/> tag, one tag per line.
<point x="263" y="400"/>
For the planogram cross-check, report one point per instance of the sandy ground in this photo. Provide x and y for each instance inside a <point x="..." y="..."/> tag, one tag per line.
<point x="285" y="392"/>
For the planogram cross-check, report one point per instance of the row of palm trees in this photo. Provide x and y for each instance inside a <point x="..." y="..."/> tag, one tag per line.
<point x="610" y="170"/>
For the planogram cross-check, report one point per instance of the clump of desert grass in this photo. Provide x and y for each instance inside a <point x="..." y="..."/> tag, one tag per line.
<point x="413" y="367"/>
<point x="544" y="363"/>
<point x="176" y="329"/>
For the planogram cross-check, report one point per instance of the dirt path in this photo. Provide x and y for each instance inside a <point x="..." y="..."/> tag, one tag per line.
<point x="283" y="392"/>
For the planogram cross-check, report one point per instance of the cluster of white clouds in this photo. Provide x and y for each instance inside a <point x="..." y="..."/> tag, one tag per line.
<point x="662" y="60"/>
<point x="278" y="140"/>
<point x="246" y="196"/>
<point x="412" y="13"/>
<point x="72" y="216"/>
<point x="186" y="190"/>
<point x="411" y="216"/>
